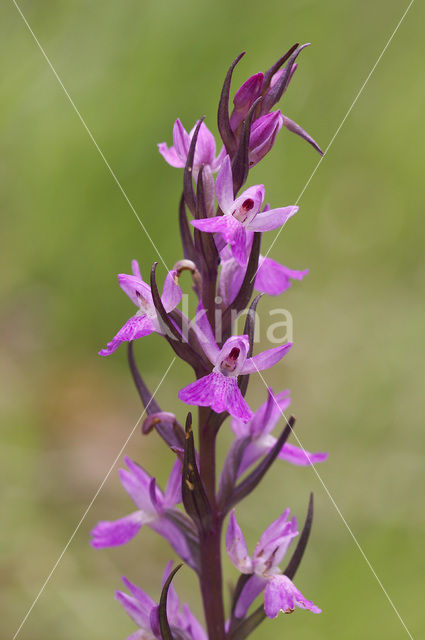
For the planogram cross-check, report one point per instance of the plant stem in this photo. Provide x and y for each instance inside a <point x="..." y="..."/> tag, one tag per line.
<point x="211" y="579"/>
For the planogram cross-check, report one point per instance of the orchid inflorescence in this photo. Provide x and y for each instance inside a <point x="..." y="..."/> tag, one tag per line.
<point x="223" y="256"/>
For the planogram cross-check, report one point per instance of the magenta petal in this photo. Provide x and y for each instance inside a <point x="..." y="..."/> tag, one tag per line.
<point x="117" y="532"/>
<point x="273" y="278"/>
<point x="181" y="140"/>
<point x="135" y="610"/>
<point x="236" y="546"/>
<point x="144" y="601"/>
<point x="173" y="494"/>
<point x="231" y="278"/>
<point x="224" y="186"/>
<point x="266" y="359"/>
<point x="272" y="219"/>
<point x="205" y="146"/>
<point x="273" y="544"/>
<point x="238" y="244"/>
<point x="218" y="224"/>
<point x="251" y="590"/>
<point x="244" y="98"/>
<point x="134" y="287"/>
<point x="135" y="327"/>
<point x="219" y="392"/>
<point x="205" y="334"/>
<point x="267" y="416"/>
<point x="282" y="595"/>
<point x="168" y="530"/>
<point x="301" y="457"/>
<point x="192" y="625"/>
<point x="172" y="294"/>
<point x="170" y="156"/>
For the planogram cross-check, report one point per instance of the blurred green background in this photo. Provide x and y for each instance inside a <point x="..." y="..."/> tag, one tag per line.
<point x="357" y="369"/>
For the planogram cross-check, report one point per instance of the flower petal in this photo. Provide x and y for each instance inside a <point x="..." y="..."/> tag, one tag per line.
<point x="273" y="278"/>
<point x="135" y="288"/>
<point x="273" y="544"/>
<point x="266" y="359"/>
<point x="205" y="334"/>
<point x="145" y="602"/>
<point x="117" y="532"/>
<point x="133" y="608"/>
<point x="181" y="140"/>
<point x="236" y="546"/>
<point x="172" y="294"/>
<point x="137" y="484"/>
<point x="135" y="327"/>
<point x="170" y="156"/>
<point x="224" y="186"/>
<point x="251" y="590"/>
<point x="168" y="530"/>
<point x="231" y="278"/>
<point x="282" y="595"/>
<point x="219" y="392"/>
<point x="267" y="416"/>
<point x="173" y="493"/>
<point x="205" y="146"/>
<point x="301" y="457"/>
<point x="269" y="220"/>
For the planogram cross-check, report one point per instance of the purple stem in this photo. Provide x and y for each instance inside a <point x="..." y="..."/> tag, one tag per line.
<point x="211" y="578"/>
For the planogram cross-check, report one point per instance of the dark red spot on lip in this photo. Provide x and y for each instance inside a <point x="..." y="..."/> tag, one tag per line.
<point x="248" y="204"/>
<point x="234" y="354"/>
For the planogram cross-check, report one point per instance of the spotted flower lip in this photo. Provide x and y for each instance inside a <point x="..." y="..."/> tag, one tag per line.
<point x="145" y="321"/>
<point x="259" y="429"/>
<point x="219" y="390"/>
<point x="205" y="151"/>
<point x="143" y="610"/>
<point x="280" y="593"/>
<point x="241" y="215"/>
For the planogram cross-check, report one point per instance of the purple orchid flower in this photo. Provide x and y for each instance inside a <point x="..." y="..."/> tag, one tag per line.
<point x="145" y="321"/>
<point x="205" y="151"/>
<point x="219" y="390"/>
<point x="152" y="510"/>
<point x="272" y="277"/>
<point x="263" y="135"/>
<point x="241" y="215"/>
<point x="280" y="593"/>
<point x="143" y="610"/>
<point x="259" y="429"/>
<point x="245" y="97"/>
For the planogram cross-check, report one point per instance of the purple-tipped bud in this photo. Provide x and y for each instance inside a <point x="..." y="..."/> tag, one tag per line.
<point x="244" y="98"/>
<point x="263" y="135"/>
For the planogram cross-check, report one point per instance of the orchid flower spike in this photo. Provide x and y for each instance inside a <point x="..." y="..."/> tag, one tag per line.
<point x="259" y="429"/>
<point x="205" y="151"/>
<point x="280" y="593"/>
<point x="219" y="390"/>
<point x="145" y="321"/>
<point x="144" y="611"/>
<point x="242" y="214"/>
<point x="152" y="507"/>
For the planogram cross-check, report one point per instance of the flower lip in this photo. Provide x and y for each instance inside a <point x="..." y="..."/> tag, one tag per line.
<point x="242" y="212"/>
<point x="230" y="362"/>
